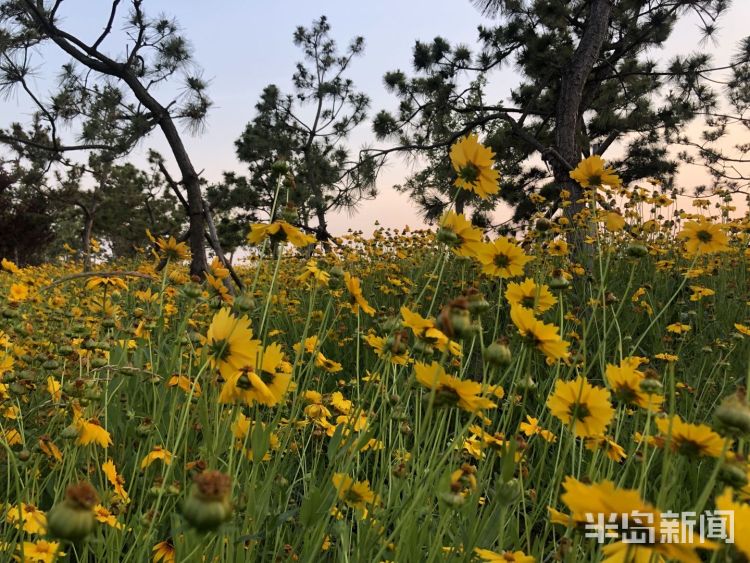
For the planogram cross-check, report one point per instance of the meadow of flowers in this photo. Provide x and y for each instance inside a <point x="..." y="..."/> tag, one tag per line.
<point x="413" y="396"/>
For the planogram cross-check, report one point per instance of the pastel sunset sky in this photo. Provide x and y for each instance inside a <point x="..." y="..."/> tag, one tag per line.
<point x="244" y="45"/>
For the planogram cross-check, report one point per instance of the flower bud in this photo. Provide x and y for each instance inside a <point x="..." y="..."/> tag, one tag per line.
<point x="192" y="290"/>
<point x="289" y="213"/>
<point x="734" y="475"/>
<point x="526" y="383"/>
<point x="73" y="519"/>
<point x="636" y="251"/>
<point x="477" y="303"/>
<point x="734" y="414"/>
<point x="337" y="272"/>
<point x="651" y="386"/>
<point x="559" y="282"/>
<point x="447" y="236"/>
<point x="280" y="167"/>
<point x="208" y="505"/>
<point x="543" y="225"/>
<point x="244" y="303"/>
<point x="498" y="354"/>
<point x="508" y="493"/>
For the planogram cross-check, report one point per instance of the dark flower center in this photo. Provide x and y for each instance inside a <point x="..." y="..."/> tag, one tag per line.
<point x="501" y="261"/>
<point x="579" y="411"/>
<point x="219" y="349"/>
<point x="469" y="173"/>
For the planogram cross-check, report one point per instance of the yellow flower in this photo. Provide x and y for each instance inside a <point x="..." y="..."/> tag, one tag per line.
<point x="378" y="343"/>
<point x="279" y="231"/>
<point x="264" y="380"/>
<point x="613" y="221"/>
<point x="116" y="480"/>
<point x="172" y="250"/>
<point x="28" y="518"/>
<point x="581" y="404"/>
<point x="693" y="440"/>
<point x="501" y="258"/>
<point x="103" y="515"/>
<point x="356" y="494"/>
<point x="107" y="282"/>
<point x="557" y="247"/>
<point x="450" y="390"/>
<point x="473" y="165"/>
<point x="544" y="337"/>
<point x="48" y="448"/>
<point x="229" y="343"/>
<point x="741" y="516"/>
<point x="614" y="451"/>
<point x="357" y="299"/>
<point x="678" y="328"/>
<point x="185" y="384"/>
<point x="41" y="552"/>
<point x="459" y="233"/>
<point x="528" y="294"/>
<point x="217" y="268"/>
<point x="531" y="428"/>
<point x="613" y="504"/>
<point x="157" y="453"/>
<point x="625" y="381"/>
<point x="700" y="292"/>
<point x="163" y="552"/>
<point x="704" y="237"/>
<point x="54" y="389"/>
<point x="504" y="557"/>
<point x="18" y="292"/>
<point x="312" y="271"/>
<point x="593" y="172"/>
<point x="91" y="432"/>
<point x="9" y="266"/>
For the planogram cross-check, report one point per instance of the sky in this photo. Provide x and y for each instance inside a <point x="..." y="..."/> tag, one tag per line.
<point x="244" y="45"/>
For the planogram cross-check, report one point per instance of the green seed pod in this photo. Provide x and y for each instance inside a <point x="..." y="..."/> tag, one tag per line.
<point x="192" y="290"/>
<point x="636" y="251"/>
<point x="733" y="475"/>
<point x="498" y="354"/>
<point x="651" y="386"/>
<point x="508" y="493"/>
<point x="559" y="283"/>
<point x="208" y="505"/>
<point x="51" y="365"/>
<point x="526" y="383"/>
<point x="280" y="167"/>
<point x="337" y="272"/>
<point x="73" y="519"/>
<point x="447" y="236"/>
<point x="289" y="214"/>
<point x="477" y="303"/>
<point x="734" y="414"/>
<point x="244" y="303"/>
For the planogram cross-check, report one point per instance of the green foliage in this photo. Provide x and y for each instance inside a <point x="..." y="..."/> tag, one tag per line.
<point x="626" y="96"/>
<point x="307" y="130"/>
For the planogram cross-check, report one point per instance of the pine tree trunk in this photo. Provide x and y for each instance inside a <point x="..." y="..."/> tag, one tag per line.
<point x="88" y="227"/>
<point x="567" y="123"/>
<point x="191" y="181"/>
